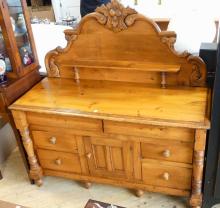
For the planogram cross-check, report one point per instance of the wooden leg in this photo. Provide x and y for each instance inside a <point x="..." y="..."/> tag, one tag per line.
<point x="198" y="165"/>
<point x="35" y="169"/>
<point x="139" y="193"/>
<point x="87" y="185"/>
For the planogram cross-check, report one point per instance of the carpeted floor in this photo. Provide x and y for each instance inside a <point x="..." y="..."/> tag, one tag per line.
<point x="62" y="193"/>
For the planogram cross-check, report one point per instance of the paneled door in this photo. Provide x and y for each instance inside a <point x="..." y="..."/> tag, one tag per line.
<point x="108" y="157"/>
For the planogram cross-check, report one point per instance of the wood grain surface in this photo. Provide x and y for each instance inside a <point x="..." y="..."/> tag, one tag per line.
<point x="105" y="99"/>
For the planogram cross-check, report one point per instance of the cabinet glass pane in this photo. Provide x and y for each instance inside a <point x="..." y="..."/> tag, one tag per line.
<point x="4" y="58"/>
<point x="20" y="31"/>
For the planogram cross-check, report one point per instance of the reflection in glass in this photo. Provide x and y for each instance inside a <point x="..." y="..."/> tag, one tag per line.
<point x="4" y="58"/>
<point x="20" y="31"/>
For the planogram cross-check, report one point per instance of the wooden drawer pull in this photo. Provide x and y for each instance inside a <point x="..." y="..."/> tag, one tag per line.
<point x="89" y="155"/>
<point x="53" y="140"/>
<point x="58" y="161"/>
<point x="166" y="176"/>
<point x="167" y="153"/>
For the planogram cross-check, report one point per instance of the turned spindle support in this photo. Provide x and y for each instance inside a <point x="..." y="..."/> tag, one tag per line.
<point x="198" y="165"/>
<point x="76" y="73"/>
<point x="36" y="172"/>
<point x="163" y="80"/>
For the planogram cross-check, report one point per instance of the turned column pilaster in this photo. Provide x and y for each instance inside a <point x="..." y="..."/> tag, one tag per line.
<point x="198" y="166"/>
<point x="22" y="125"/>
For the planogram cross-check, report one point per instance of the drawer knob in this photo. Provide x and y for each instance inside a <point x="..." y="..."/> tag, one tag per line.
<point x="166" y="176"/>
<point x="167" y="153"/>
<point x="89" y="155"/>
<point x="53" y="140"/>
<point x="58" y="161"/>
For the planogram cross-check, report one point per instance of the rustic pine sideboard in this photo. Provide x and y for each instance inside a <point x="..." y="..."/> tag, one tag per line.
<point x="119" y="106"/>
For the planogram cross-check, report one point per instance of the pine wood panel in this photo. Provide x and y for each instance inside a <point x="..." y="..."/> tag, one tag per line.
<point x="150" y="131"/>
<point x="135" y="43"/>
<point x="55" y="141"/>
<point x="64" y="121"/>
<point x="104" y="99"/>
<point x="124" y="65"/>
<point x="60" y="161"/>
<point x="108" y="157"/>
<point x="166" y="175"/>
<point x="167" y="150"/>
<point x="112" y="75"/>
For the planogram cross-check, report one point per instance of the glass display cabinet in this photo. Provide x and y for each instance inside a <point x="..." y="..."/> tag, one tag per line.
<point x="17" y="47"/>
<point x="19" y="67"/>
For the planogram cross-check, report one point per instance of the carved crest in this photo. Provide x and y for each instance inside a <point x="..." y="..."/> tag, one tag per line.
<point x="114" y="15"/>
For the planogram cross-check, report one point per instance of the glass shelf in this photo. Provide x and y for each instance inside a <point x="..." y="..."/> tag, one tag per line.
<point x="20" y="31"/>
<point x="4" y="58"/>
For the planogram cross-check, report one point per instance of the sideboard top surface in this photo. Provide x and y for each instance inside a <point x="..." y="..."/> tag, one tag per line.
<point x="120" y="101"/>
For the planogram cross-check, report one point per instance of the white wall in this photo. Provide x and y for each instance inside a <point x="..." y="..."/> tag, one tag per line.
<point x="192" y="20"/>
<point x="170" y="8"/>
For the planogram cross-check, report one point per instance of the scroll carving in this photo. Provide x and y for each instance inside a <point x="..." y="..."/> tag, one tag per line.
<point x="198" y="69"/>
<point x="198" y="74"/>
<point x="170" y="41"/>
<point x="52" y="68"/>
<point x="115" y="16"/>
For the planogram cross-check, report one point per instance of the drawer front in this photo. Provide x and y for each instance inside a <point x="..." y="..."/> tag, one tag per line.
<point x="150" y="131"/>
<point x="64" y="121"/>
<point x="66" y="162"/>
<point x="54" y="141"/>
<point x="167" y="150"/>
<point x="166" y="175"/>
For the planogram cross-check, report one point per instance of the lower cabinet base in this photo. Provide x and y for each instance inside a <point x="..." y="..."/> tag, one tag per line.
<point x="171" y="165"/>
<point x="114" y="182"/>
<point x="139" y="188"/>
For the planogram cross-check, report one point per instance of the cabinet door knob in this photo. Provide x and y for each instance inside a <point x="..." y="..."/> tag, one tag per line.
<point x="53" y="140"/>
<point x="58" y="161"/>
<point x="89" y="155"/>
<point x="166" y="176"/>
<point x="167" y="153"/>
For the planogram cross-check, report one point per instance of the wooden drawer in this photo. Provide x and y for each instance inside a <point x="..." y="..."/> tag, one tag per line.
<point x="60" y="161"/>
<point x="167" y="150"/>
<point x="55" y="141"/>
<point x="150" y="131"/>
<point x="167" y="174"/>
<point x="59" y="121"/>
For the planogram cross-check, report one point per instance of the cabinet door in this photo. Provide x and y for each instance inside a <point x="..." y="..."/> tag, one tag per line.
<point x="109" y="157"/>
<point x="20" y="35"/>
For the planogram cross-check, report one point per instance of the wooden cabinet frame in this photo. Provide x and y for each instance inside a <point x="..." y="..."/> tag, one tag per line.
<point x="117" y="85"/>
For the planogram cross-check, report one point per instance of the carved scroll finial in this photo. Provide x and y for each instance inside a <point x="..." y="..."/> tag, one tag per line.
<point x="114" y="15"/>
<point x="198" y="74"/>
<point x="52" y="68"/>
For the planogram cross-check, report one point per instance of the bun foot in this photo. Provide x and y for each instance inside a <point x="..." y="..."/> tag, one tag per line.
<point x="196" y="201"/>
<point x="39" y="182"/>
<point x="87" y="185"/>
<point x="139" y="193"/>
